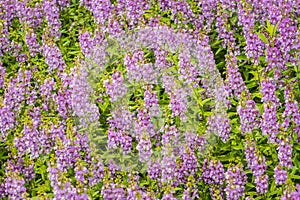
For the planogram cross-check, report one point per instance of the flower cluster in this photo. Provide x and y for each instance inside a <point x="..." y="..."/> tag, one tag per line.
<point x="236" y="179"/>
<point x="269" y="125"/>
<point x="257" y="164"/>
<point x="187" y="70"/>
<point x="213" y="173"/>
<point x="139" y="70"/>
<point x="51" y="12"/>
<point x="249" y="114"/>
<point x="280" y="175"/>
<point x="234" y="78"/>
<point x="115" y="87"/>
<point x="291" y="111"/>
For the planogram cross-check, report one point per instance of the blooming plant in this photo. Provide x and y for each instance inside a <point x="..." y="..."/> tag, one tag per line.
<point x="178" y="99"/>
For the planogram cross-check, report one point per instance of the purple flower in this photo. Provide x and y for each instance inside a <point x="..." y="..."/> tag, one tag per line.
<point x="110" y="191"/>
<point x="188" y="72"/>
<point x="188" y="165"/>
<point x="33" y="45"/>
<point x="14" y="186"/>
<point x="234" y="77"/>
<point x="236" y="179"/>
<point x="269" y="124"/>
<point x="285" y="154"/>
<point x="97" y="173"/>
<point x="86" y="43"/>
<point x="256" y="163"/>
<point x="280" y="175"/>
<point x="51" y="13"/>
<point x="115" y="87"/>
<point x="213" y="173"/>
<point x="249" y="114"/>
<point x="154" y="169"/>
<point x="261" y="182"/>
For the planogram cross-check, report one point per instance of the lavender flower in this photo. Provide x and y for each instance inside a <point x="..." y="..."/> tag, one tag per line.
<point x="110" y="191"/>
<point x="249" y="114"/>
<point x="269" y="124"/>
<point x="178" y="95"/>
<point x="187" y="70"/>
<point x="53" y="57"/>
<point x="208" y="8"/>
<point x="288" y="31"/>
<point x="188" y="165"/>
<point x="144" y="146"/>
<point x="116" y="87"/>
<point x="154" y="169"/>
<point x="4" y="39"/>
<point x="29" y="142"/>
<point x="81" y="172"/>
<point x="219" y="125"/>
<point x="285" y="153"/>
<point x="255" y="162"/>
<point x="86" y="43"/>
<point x="236" y="180"/>
<point x="151" y="101"/>
<point x="51" y="12"/>
<point x="280" y="175"/>
<point x="234" y="77"/>
<point x="169" y="196"/>
<point x="14" y="186"/>
<point x="97" y="173"/>
<point x="216" y="192"/>
<point x="291" y="111"/>
<point x="81" y="90"/>
<point x="261" y="184"/>
<point x="33" y="45"/>
<point x="2" y="74"/>
<point x="213" y="173"/>
<point x="168" y="167"/>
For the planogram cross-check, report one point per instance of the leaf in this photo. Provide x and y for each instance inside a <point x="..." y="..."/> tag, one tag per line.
<point x="263" y="37"/>
<point x="220" y="64"/>
<point x="216" y="43"/>
<point x="295" y="177"/>
<point x="271" y="28"/>
<point x="297" y="147"/>
<point x="255" y="74"/>
<point x="206" y="101"/>
<point x="234" y="19"/>
<point x="104" y="105"/>
<point x="166" y="20"/>
<point x="262" y="58"/>
<point x="273" y="189"/>
<point x="177" y="189"/>
<point x="239" y="147"/>
<point x="219" y="50"/>
<point x="251" y="84"/>
<point x="241" y="57"/>
<point x="250" y="185"/>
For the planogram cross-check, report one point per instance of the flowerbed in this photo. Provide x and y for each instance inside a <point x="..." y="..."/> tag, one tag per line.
<point x="149" y="99"/>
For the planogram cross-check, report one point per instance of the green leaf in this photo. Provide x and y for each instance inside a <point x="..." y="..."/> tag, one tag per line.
<point x="250" y="185"/>
<point x="219" y="50"/>
<point x="263" y="37"/>
<point x="295" y="177"/>
<point x="251" y="84"/>
<point x="216" y="43"/>
<point x="241" y="57"/>
<point x="271" y="28"/>
<point x="206" y="101"/>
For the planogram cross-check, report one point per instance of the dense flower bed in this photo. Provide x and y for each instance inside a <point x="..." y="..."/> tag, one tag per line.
<point x="167" y="99"/>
